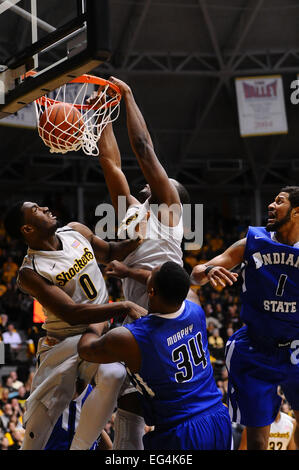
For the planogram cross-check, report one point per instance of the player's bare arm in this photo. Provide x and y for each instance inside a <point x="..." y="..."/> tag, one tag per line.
<point x="56" y="301"/>
<point x="118" y="345"/>
<point x="217" y="270"/>
<point x="107" y="251"/>
<point x="162" y="189"/>
<point x="121" y="270"/>
<point x="110" y="161"/>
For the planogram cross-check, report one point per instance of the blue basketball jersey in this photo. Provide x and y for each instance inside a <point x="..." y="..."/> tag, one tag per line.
<point x="176" y="376"/>
<point x="270" y="292"/>
<point x="65" y="427"/>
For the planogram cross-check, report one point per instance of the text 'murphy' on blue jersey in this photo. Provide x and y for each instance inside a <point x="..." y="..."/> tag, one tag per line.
<point x="270" y="293"/>
<point x="176" y="376"/>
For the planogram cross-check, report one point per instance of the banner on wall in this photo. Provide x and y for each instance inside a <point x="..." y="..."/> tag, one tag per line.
<point x="261" y="106"/>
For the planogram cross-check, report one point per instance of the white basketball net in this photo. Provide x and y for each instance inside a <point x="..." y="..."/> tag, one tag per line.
<point x="105" y="109"/>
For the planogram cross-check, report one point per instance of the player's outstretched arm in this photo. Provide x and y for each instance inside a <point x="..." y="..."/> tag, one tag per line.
<point x="107" y="251"/>
<point x="121" y="270"/>
<point x="217" y="270"/>
<point x="162" y="189"/>
<point x="118" y="345"/>
<point x="56" y="301"/>
<point x="110" y="161"/>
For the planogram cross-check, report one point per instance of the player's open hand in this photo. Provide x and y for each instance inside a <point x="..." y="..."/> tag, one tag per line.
<point x="221" y="277"/>
<point x="135" y="311"/>
<point x="116" y="269"/>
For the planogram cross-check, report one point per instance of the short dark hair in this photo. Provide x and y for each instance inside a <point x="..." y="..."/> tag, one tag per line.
<point x="183" y="193"/>
<point x="13" y="221"/>
<point x="172" y="283"/>
<point x="293" y="192"/>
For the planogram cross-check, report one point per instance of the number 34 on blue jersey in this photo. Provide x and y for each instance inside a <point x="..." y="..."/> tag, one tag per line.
<point x="182" y="356"/>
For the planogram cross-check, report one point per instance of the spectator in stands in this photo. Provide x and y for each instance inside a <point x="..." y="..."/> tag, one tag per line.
<point x="3" y="288"/>
<point x="233" y="315"/>
<point x="224" y="378"/>
<point x="5" y="417"/>
<point x="15" y="382"/>
<point x="3" y="322"/>
<point x="4" y="444"/>
<point x="10" y="269"/>
<point x="12" y="391"/>
<point x="221" y="387"/>
<point x="215" y="341"/>
<point x="226" y="332"/>
<point x="13" y="426"/>
<point x="22" y="395"/>
<point x="17" y="408"/>
<point x="210" y="318"/>
<point x="13" y="338"/>
<point x="216" y="244"/>
<point x="4" y="397"/>
<point x="28" y="382"/>
<point x="17" y="437"/>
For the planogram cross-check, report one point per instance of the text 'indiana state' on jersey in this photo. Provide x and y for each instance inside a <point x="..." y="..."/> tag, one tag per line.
<point x="176" y="376"/>
<point x="270" y="293"/>
<point x="75" y="270"/>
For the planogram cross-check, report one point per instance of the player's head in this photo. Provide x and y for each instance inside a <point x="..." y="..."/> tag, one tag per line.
<point x="167" y="287"/>
<point x="29" y="221"/>
<point x="145" y="192"/>
<point x="284" y="210"/>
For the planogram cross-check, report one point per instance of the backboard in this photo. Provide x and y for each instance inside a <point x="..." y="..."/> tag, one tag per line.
<point x="46" y="43"/>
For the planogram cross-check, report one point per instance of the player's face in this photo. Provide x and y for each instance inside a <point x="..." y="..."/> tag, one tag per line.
<point x="40" y="218"/>
<point x="279" y="212"/>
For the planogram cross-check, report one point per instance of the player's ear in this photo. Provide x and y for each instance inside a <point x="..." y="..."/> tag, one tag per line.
<point x="295" y="212"/>
<point x="151" y="292"/>
<point x="26" y="229"/>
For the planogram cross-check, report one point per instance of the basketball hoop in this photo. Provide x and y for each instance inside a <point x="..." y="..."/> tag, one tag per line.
<point x="68" y="122"/>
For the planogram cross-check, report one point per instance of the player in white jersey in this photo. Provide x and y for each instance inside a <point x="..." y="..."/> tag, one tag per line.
<point x="61" y="271"/>
<point x="281" y="435"/>
<point x="158" y="214"/>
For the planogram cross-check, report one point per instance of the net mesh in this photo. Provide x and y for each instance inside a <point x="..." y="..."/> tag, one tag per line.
<point x="80" y="125"/>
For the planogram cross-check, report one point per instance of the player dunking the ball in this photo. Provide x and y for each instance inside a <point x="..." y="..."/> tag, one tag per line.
<point x="265" y="352"/>
<point x="167" y="357"/>
<point x="61" y="271"/>
<point x="162" y="239"/>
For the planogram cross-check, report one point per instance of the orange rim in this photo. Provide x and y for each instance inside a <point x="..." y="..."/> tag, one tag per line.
<point x="43" y="100"/>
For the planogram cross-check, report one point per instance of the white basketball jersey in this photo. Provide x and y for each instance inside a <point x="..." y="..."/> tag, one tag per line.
<point x="161" y="244"/>
<point x="75" y="270"/>
<point x="281" y="433"/>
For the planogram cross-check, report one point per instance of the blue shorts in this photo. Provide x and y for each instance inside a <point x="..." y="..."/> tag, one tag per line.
<point x="254" y="375"/>
<point x="203" y="432"/>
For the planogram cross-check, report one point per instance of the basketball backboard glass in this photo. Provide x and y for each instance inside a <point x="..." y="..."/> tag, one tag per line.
<point x="49" y="42"/>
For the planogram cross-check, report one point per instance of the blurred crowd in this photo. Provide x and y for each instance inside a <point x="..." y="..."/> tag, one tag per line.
<point x="20" y="333"/>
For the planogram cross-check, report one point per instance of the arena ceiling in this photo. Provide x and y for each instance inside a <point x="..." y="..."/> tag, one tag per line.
<point x="181" y="58"/>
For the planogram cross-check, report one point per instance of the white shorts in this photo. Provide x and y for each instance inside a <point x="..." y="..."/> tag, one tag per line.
<point x="57" y="369"/>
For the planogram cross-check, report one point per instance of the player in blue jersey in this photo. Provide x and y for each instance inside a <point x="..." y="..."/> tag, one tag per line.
<point x="265" y="352"/>
<point x="167" y="358"/>
<point x="65" y="427"/>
